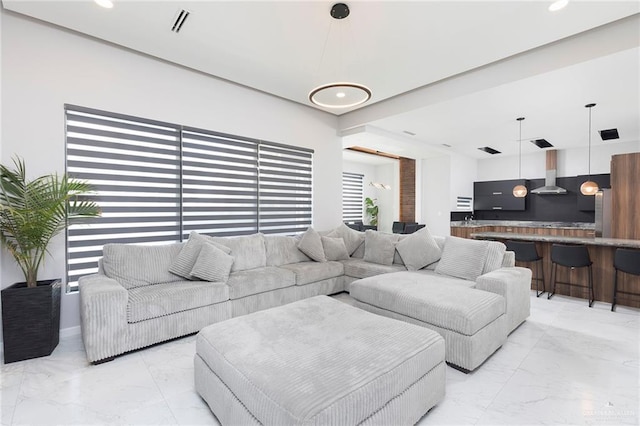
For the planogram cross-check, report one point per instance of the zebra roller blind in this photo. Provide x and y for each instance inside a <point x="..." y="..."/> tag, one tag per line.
<point x="352" y="197"/>
<point x="156" y="182"/>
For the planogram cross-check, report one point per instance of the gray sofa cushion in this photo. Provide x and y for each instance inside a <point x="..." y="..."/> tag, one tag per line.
<point x="310" y="272"/>
<point x="463" y="258"/>
<point x="452" y="307"/>
<point x="446" y="279"/>
<point x="352" y="238"/>
<point x="212" y="264"/>
<point x="495" y="255"/>
<point x="359" y="268"/>
<point x="165" y="299"/>
<point x="186" y="259"/>
<point x="140" y="265"/>
<point x="418" y="250"/>
<point x="334" y="248"/>
<point x="248" y="251"/>
<point x="379" y="247"/>
<point x="311" y="244"/>
<point x="282" y="250"/>
<point x="254" y="281"/>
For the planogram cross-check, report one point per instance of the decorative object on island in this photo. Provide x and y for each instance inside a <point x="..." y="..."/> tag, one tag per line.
<point x="339" y="94"/>
<point x="520" y="191"/>
<point x="32" y="212"/>
<point x="589" y="187"/>
<point x="372" y="210"/>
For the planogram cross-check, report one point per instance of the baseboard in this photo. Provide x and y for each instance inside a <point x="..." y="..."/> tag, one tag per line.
<point x="70" y="331"/>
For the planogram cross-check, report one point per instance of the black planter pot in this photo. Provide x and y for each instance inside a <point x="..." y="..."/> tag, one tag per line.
<point x="30" y="320"/>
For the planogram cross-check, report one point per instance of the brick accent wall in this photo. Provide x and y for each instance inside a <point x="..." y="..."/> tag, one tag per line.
<point x="407" y="190"/>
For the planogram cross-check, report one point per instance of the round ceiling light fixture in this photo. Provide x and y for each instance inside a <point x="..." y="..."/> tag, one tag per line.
<point x="340" y="95"/>
<point x="107" y="4"/>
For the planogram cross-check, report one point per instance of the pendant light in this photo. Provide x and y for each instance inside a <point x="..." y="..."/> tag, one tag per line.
<point x="341" y="94"/>
<point x="520" y="191"/>
<point x="589" y="187"/>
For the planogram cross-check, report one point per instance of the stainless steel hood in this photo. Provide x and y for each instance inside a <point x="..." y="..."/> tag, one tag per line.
<point x="550" y="187"/>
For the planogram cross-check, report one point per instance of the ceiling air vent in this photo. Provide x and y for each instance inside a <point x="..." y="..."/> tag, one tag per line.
<point x="489" y="150"/>
<point x="609" y="134"/>
<point x="181" y="16"/>
<point x="541" y="143"/>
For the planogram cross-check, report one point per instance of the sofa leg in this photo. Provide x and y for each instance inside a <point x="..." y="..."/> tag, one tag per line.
<point x="102" y="361"/>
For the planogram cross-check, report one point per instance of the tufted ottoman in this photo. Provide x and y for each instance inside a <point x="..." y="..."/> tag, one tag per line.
<point x="319" y="362"/>
<point x="472" y="322"/>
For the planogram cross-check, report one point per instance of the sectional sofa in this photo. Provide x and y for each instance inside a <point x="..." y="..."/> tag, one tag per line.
<point x="146" y="294"/>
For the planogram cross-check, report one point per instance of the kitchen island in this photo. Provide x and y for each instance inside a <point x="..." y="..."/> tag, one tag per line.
<point x="601" y="251"/>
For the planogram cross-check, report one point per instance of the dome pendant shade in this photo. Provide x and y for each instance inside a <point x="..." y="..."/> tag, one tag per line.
<point x="519" y="191"/>
<point x="340" y="95"/>
<point x="589" y="188"/>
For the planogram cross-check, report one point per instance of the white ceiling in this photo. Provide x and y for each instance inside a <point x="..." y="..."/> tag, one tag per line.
<point x="393" y="47"/>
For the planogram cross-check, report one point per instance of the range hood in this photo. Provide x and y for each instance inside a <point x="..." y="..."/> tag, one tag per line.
<point x="550" y="187"/>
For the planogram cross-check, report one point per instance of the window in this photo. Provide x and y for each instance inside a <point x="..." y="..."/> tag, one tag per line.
<point x="156" y="182"/>
<point x="352" y="197"/>
<point x="463" y="203"/>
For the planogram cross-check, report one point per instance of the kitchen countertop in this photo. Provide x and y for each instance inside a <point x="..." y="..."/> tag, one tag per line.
<point x="523" y="223"/>
<point x="608" y="242"/>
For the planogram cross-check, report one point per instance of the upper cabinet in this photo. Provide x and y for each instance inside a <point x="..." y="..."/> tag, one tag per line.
<point x="498" y="195"/>
<point x="586" y="203"/>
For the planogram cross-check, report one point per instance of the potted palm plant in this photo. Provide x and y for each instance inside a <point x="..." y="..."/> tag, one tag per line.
<point x="372" y="210"/>
<point x="32" y="212"/>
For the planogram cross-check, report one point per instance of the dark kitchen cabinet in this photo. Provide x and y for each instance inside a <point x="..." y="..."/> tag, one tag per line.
<point x="586" y="203"/>
<point x="498" y="195"/>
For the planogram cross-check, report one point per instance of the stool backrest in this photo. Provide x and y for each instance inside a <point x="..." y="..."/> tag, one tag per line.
<point x="571" y="256"/>
<point x="627" y="260"/>
<point x="410" y="228"/>
<point x="525" y="251"/>
<point x="397" y="228"/>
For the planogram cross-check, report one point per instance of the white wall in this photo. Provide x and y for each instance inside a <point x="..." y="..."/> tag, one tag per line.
<point x="388" y="200"/>
<point x="436" y="193"/>
<point x="44" y="67"/>
<point x="463" y="172"/>
<point x="571" y="162"/>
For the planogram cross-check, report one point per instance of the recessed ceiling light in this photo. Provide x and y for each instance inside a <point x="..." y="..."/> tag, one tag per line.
<point x="341" y="94"/>
<point x="609" y="134"/>
<point x="489" y="150"/>
<point x="557" y="5"/>
<point x="542" y="143"/>
<point x="107" y="4"/>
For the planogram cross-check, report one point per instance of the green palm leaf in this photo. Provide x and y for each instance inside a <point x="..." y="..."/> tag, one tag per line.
<point x="32" y="212"/>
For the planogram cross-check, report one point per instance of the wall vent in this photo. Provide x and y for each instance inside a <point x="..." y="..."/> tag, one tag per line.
<point x="181" y="16"/>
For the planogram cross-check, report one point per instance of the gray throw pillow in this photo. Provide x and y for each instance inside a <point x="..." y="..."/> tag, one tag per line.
<point x="248" y="251"/>
<point x="183" y="263"/>
<point x="495" y="254"/>
<point x="334" y="248"/>
<point x="463" y="258"/>
<point x="379" y="247"/>
<point x="352" y="238"/>
<point x="311" y="245"/>
<point x="212" y="264"/>
<point x="418" y="250"/>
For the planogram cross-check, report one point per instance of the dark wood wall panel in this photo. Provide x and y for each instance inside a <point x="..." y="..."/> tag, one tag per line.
<point x="407" y="190"/>
<point x="625" y="200"/>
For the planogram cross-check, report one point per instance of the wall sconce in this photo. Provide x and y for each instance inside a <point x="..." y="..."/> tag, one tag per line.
<point x="380" y="185"/>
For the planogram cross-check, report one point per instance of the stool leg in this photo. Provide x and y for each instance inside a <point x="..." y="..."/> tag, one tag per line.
<point x="554" y="267"/>
<point x="615" y="290"/>
<point x="538" y="278"/>
<point x="592" y="297"/>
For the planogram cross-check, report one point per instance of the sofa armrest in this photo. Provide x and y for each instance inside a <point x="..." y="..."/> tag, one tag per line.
<point x="103" y="316"/>
<point x="509" y="259"/>
<point x="514" y="285"/>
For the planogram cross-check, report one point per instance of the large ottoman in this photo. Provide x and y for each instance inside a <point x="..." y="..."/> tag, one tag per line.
<point x="319" y="362"/>
<point x="472" y="322"/>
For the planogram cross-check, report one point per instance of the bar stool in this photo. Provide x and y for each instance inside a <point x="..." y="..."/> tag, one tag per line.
<point x="570" y="257"/>
<point x="627" y="261"/>
<point x="526" y="252"/>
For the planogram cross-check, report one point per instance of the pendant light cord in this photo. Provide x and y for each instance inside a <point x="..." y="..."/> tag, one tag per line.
<point x="520" y="154"/>
<point x="590" y="143"/>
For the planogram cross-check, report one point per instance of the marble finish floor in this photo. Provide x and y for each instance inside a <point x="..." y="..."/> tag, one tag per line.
<point x="567" y="364"/>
